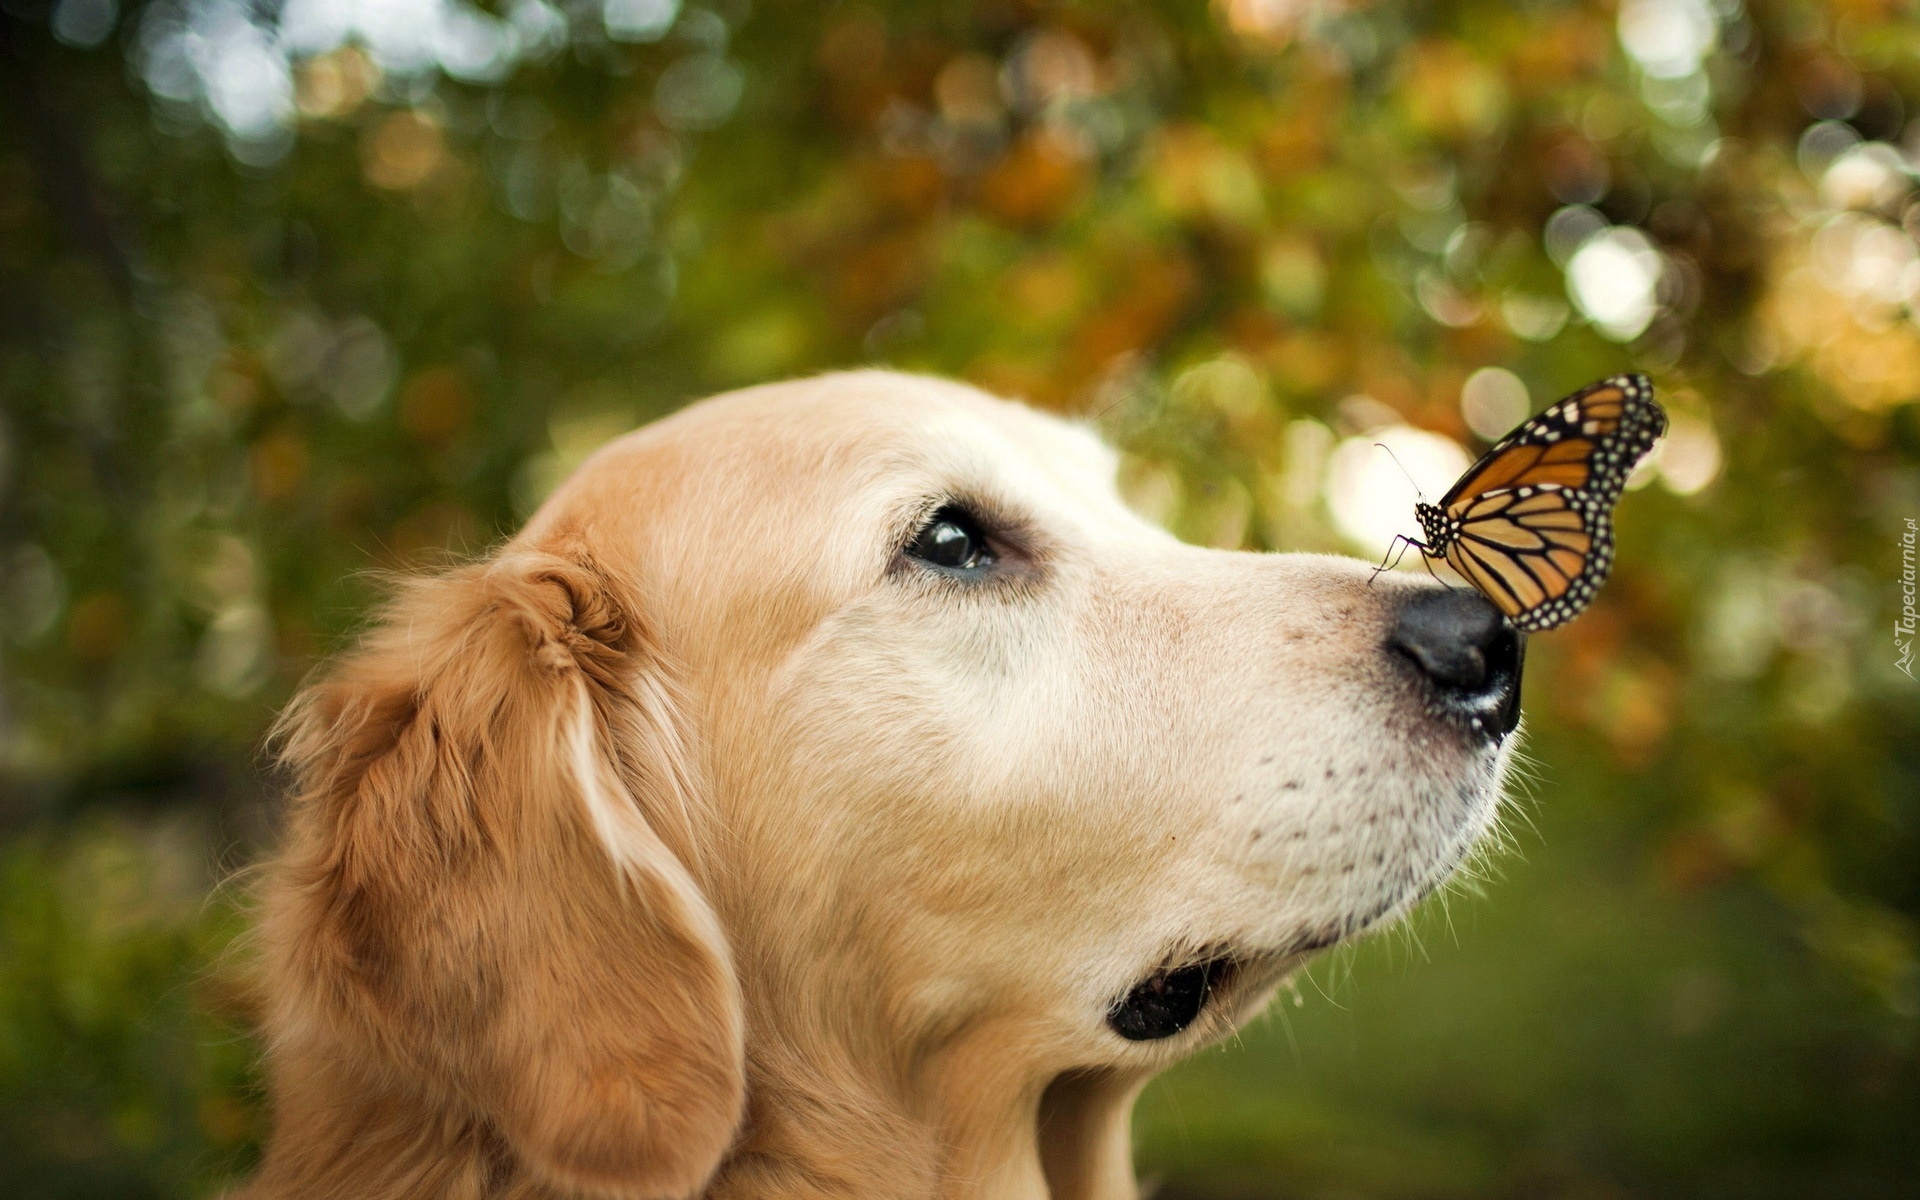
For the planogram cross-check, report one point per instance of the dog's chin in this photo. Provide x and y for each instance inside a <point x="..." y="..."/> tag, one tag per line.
<point x="1206" y="996"/>
<point x="1244" y="971"/>
<point x="1354" y="862"/>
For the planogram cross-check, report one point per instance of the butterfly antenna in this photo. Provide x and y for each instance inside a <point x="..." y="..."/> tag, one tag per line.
<point x="1403" y="470"/>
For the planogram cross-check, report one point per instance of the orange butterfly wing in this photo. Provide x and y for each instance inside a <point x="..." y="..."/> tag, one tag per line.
<point x="1531" y="524"/>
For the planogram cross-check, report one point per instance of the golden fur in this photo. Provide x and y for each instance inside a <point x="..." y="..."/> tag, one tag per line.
<point x="696" y="843"/>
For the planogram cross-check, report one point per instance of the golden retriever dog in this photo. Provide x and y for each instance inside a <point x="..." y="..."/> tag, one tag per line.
<point x="835" y="790"/>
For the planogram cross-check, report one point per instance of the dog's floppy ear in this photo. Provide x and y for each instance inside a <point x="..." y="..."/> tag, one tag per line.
<point x="476" y="907"/>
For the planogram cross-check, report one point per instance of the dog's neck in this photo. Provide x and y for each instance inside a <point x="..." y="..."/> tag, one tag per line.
<point x="961" y="1123"/>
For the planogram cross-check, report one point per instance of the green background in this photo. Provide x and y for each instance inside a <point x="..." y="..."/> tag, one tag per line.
<point x="353" y="304"/>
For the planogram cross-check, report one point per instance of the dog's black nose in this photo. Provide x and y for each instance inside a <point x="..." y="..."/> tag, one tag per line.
<point x="1473" y="656"/>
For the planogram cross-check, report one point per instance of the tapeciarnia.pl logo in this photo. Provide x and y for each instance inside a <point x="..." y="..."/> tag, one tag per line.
<point x="1905" y="623"/>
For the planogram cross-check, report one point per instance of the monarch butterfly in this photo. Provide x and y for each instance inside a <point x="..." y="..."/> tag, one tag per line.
<point x="1531" y="524"/>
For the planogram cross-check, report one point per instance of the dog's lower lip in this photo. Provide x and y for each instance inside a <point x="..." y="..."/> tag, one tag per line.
<point x="1494" y="711"/>
<point x="1170" y="1000"/>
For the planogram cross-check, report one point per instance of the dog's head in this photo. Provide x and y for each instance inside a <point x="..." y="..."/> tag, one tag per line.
<point x="850" y="737"/>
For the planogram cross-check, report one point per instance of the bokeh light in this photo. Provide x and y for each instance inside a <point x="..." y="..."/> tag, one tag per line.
<point x="1492" y="401"/>
<point x="1668" y="38"/>
<point x="1614" y="279"/>
<point x="1689" y="457"/>
<point x="1374" y="479"/>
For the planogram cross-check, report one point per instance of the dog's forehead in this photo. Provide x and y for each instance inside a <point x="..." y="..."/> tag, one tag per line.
<point x="861" y="446"/>
<point x="998" y="452"/>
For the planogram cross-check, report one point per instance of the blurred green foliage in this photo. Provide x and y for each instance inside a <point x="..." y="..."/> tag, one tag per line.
<point x="116" y="1079"/>
<point x="293" y="291"/>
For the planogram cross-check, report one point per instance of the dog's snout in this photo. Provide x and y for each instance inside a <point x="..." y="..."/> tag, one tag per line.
<point x="1461" y="642"/>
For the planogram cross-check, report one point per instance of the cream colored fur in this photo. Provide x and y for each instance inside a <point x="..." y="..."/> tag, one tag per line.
<point x="700" y="843"/>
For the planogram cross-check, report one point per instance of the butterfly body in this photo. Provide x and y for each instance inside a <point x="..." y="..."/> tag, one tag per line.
<point x="1531" y="524"/>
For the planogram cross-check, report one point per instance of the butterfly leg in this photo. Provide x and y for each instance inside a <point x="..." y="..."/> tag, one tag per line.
<point x="1400" y="542"/>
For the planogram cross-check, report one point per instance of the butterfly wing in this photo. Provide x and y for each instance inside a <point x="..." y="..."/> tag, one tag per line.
<point x="1537" y="557"/>
<point x="1531" y="523"/>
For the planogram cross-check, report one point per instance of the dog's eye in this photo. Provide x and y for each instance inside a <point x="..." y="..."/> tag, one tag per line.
<point x="953" y="540"/>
